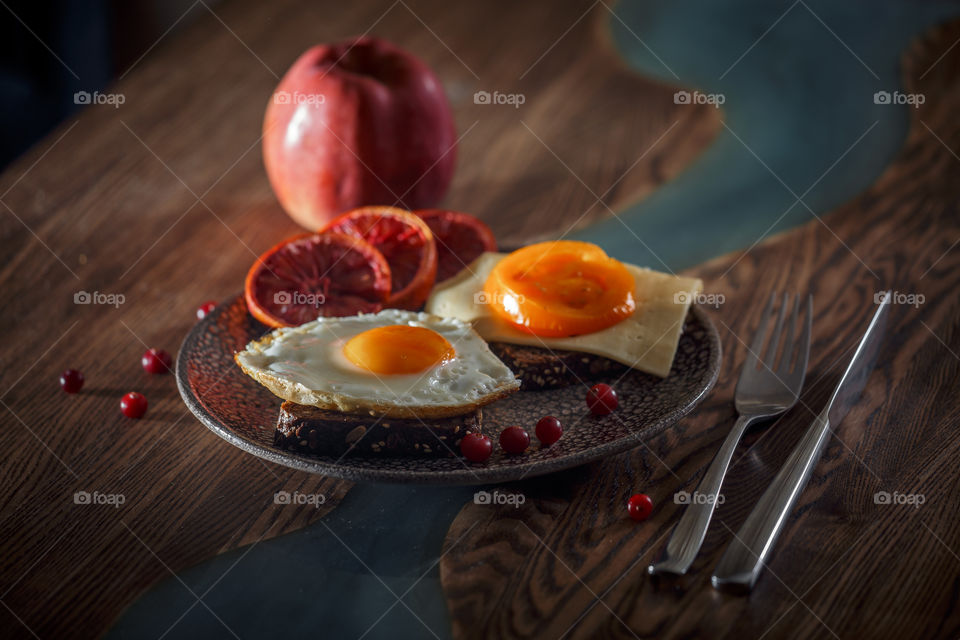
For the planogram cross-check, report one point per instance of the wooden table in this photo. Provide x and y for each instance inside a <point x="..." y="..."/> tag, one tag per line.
<point x="164" y="202"/>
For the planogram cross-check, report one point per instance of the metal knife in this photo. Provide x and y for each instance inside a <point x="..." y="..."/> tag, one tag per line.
<point x="747" y="554"/>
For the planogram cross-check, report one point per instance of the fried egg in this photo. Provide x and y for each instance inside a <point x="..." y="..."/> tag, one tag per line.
<point x="393" y="363"/>
<point x="639" y="327"/>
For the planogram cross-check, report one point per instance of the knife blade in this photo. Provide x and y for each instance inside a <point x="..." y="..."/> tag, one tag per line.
<point x="748" y="552"/>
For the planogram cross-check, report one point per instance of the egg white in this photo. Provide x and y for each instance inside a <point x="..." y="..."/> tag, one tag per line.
<point x="306" y="365"/>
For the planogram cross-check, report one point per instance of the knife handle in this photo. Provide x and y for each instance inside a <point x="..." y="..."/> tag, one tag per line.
<point x="748" y="552"/>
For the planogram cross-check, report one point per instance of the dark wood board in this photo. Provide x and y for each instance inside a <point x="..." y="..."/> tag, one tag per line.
<point x="570" y="564"/>
<point x="164" y="200"/>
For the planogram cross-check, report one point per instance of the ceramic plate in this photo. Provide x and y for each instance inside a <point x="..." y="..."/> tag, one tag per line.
<point x="244" y="413"/>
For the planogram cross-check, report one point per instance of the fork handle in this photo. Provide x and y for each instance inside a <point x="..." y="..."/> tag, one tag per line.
<point x="750" y="548"/>
<point x="687" y="536"/>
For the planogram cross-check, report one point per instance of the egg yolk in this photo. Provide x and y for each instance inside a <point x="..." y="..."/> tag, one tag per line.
<point x="398" y="349"/>
<point x="562" y="288"/>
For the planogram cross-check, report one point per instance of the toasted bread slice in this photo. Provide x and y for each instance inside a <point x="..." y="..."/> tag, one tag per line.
<point x="540" y="368"/>
<point x="309" y="429"/>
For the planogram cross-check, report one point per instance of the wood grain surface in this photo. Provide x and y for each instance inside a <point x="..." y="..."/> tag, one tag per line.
<point x="570" y="564"/>
<point x="164" y="201"/>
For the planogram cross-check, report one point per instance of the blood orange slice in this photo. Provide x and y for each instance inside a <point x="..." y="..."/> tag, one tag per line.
<point x="460" y="237"/>
<point x="316" y="274"/>
<point x="405" y="241"/>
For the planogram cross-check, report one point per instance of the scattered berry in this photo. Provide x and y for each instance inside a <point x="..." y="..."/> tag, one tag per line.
<point x="548" y="430"/>
<point x="133" y="405"/>
<point x="640" y="506"/>
<point x="601" y="399"/>
<point x="514" y="440"/>
<point x="71" y="381"/>
<point x="476" y="447"/>
<point x="156" y="361"/>
<point x="206" y="308"/>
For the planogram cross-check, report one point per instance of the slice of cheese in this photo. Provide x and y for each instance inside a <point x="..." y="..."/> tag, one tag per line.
<point x="647" y="340"/>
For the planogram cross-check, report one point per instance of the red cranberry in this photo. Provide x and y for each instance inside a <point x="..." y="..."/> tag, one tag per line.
<point x="71" y="381"/>
<point x="133" y="405"/>
<point x="156" y="361"/>
<point x="640" y="506"/>
<point x="548" y="430"/>
<point x="601" y="399"/>
<point x="206" y="308"/>
<point x="514" y="440"/>
<point x="476" y="447"/>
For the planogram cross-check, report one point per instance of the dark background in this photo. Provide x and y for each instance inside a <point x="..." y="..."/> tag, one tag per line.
<point x="95" y="41"/>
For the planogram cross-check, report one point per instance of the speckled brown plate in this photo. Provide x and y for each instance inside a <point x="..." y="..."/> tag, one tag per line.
<point x="244" y="413"/>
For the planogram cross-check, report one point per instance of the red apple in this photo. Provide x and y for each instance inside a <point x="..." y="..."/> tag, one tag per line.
<point x="355" y="123"/>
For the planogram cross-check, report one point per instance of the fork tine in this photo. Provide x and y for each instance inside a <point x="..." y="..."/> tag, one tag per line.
<point x="771" y="358"/>
<point x="757" y="344"/>
<point x="789" y="348"/>
<point x="803" y="352"/>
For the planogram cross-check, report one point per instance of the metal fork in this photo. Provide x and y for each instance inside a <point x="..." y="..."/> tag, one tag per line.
<point x="762" y="393"/>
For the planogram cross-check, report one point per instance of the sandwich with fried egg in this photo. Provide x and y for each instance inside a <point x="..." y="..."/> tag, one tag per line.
<point x="395" y="381"/>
